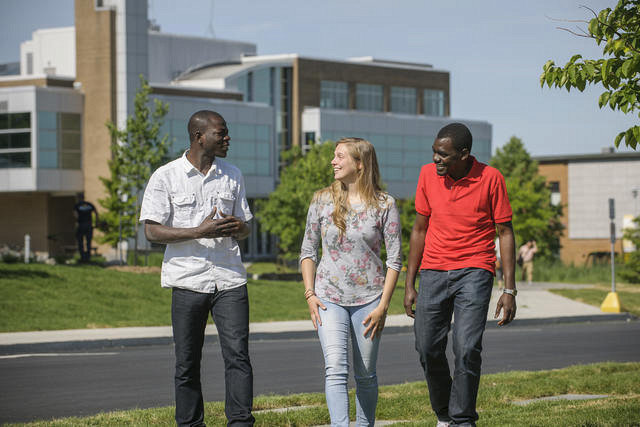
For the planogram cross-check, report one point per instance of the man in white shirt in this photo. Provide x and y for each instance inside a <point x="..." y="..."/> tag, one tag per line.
<point x="197" y="206"/>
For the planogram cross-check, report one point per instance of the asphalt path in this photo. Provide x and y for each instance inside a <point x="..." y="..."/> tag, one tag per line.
<point x="52" y="385"/>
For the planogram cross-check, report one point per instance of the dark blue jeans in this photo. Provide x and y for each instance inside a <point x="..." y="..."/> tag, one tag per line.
<point x="230" y="312"/>
<point x="465" y="293"/>
<point x="84" y="234"/>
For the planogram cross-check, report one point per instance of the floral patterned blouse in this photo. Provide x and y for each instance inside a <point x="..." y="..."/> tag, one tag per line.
<point x="350" y="271"/>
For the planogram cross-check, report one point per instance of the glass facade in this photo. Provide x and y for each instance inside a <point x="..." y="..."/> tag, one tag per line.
<point x="403" y="100"/>
<point x="400" y="156"/>
<point x="59" y="140"/>
<point x="258" y="85"/>
<point x="15" y="140"/>
<point x="433" y="103"/>
<point x="334" y="94"/>
<point x="250" y="148"/>
<point x="262" y="85"/>
<point x="369" y="97"/>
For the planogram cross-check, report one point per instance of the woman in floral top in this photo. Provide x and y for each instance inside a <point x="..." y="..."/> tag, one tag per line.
<point x="349" y="292"/>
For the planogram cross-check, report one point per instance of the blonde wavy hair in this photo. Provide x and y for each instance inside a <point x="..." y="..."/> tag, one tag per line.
<point x="368" y="181"/>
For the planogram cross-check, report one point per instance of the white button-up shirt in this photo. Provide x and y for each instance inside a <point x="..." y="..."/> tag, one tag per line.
<point x="179" y="195"/>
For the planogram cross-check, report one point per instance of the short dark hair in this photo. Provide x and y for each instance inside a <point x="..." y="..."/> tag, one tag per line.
<point x="199" y="121"/>
<point x="459" y="134"/>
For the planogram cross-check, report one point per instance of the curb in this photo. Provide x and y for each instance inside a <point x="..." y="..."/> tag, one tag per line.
<point x="45" y="347"/>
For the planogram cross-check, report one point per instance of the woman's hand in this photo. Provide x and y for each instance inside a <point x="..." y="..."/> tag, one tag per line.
<point x="314" y="302"/>
<point x="375" y="322"/>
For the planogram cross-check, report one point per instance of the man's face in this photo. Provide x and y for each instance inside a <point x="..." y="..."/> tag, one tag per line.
<point x="447" y="159"/>
<point x="216" y="138"/>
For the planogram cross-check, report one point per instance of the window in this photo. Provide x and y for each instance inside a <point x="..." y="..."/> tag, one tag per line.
<point x="262" y="86"/>
<point x="403" y="100"/>
<point x="59" y="140"/>
<point x="556" y="198"/>
<point x="369" y="97"/>
<point x="310" y="138"/>
<point x="251" y="148"/>
<point x="334" y="94"/>
<point x="15" y="140"/>
<point x="433" y="103"/>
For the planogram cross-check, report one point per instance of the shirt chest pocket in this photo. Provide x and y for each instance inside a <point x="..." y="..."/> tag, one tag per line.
<point x="225" y="202"/>
<point x="184" y="209"/>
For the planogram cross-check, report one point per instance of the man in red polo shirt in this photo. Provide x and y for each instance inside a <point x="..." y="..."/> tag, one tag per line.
<point x="460" y="203"/>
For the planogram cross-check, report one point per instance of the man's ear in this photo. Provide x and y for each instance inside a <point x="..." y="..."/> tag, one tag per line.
<point x="465" y="154"/>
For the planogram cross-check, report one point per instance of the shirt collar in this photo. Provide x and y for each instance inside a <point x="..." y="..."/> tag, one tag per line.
<point x="475" y="173"/>
<point x="190" y="168"/>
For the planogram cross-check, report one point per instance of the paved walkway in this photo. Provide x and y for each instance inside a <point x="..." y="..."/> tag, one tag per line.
<point x="535" y="302"/>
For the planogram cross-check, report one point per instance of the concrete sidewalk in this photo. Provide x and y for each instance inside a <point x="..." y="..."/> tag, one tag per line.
<point x="535" y="304"/>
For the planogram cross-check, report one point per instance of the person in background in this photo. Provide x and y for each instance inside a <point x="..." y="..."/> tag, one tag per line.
<point x="348" y="291"/>
<point x="527" y="253"/>
<point x="84" y="212"/>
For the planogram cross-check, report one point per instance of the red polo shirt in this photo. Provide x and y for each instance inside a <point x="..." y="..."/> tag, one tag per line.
<point x="462" y="217"/>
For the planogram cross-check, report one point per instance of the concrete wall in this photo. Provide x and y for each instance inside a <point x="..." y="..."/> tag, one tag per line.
<point x="171" y="54"/>
<point x="52" y="51"/>
<point x="585" y="187"/>
<point x="48" y="220"/>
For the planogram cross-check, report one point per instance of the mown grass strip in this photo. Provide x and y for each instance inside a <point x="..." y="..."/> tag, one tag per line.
<point x="629" y="296"/>
<point x="620" y="381"/>
<point x="38" y="297"/>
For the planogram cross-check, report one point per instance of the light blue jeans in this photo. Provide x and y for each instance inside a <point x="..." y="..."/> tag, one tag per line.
<point x="338" y="324"/>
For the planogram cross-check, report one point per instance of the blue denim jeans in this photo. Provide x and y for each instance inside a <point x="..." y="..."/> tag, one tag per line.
<point x="338" y="324"/>
<point x="189" y="314"/>
<point x="465" y="293"/>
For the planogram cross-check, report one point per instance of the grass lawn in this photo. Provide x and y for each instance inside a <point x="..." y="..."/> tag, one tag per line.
<point x="544" y="271"/>
<point x="629" y="295"/>
<point x="409" y="402"/>
<point x="269" y="267"/>
<point x="43" y="297"/>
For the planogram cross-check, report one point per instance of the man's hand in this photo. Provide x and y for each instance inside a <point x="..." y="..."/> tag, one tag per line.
<point x="226" y="226"/>
<point x="506" y="303"/>
<point x="410" y="296"/>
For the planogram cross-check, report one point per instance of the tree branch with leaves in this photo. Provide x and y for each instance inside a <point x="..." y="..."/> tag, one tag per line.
<point x="619" y="69"/>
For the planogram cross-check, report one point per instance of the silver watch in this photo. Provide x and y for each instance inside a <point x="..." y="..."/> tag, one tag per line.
<point x="513" y="292"/>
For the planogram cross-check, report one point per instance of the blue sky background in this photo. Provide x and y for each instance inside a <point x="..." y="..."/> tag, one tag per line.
<point x="494" y="50"/>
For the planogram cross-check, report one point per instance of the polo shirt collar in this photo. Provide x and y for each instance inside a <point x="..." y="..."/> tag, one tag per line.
<point x="475" y="173"/>
<point x="190" y="168"/>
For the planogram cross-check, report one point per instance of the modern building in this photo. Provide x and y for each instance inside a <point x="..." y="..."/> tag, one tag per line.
<point x="54" y="142"/>
<point x="583" y="184"/>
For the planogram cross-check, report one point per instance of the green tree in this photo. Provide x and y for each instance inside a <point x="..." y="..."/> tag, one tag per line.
<point x="534" y="217"/>
<point x="619" y="69"/>
<point x="407" y="208"/>
<point x="631" y="269"/>
<point x="284" y="213"/>
<point x="137" y="150"/>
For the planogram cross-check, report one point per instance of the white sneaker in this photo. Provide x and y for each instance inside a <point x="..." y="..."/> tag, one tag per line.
<point x="442" y="424"/>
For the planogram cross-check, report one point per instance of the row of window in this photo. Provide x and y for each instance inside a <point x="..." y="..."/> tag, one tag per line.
<point x="404" y="100"/>
<point x="59" y="140"/>
<point x="15" y="140"/>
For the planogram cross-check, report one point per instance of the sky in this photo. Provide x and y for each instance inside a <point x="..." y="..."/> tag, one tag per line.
<point x="493" y="49"/>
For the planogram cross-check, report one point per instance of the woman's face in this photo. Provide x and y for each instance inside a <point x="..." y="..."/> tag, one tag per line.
<point x="345" y="168"/>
